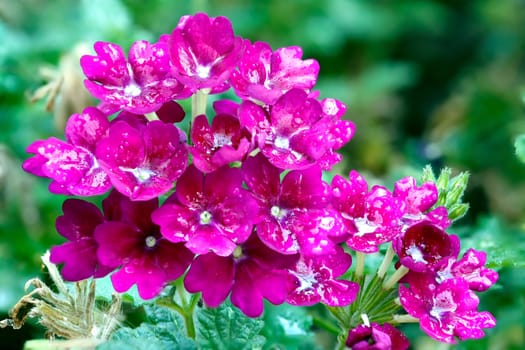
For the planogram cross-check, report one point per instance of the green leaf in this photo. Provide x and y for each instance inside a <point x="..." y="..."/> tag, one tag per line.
<point x="520" y="147"/>
<point x="287" y="327"/>
<point x="227" y="328"/>
<point x="505" y="246"/>
<point x="165" y="330"/>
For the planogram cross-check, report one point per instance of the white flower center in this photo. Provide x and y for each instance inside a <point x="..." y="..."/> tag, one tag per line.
<point x="416" y="254"/>
<point x="132" y="89"/>
<point x="205" y="218"/>
<point x="150" y="241"/>
<point x="282" y="142"/>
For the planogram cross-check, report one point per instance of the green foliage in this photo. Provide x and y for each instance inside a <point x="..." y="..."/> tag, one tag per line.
<point x="520" y="147"/>
<point x="227" y="328"/>
<point x="287" y="327"/>
<point x="505" y="246"/>
<point x="164" y="330"/>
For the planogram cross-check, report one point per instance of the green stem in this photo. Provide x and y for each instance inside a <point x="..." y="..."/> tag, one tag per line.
<point x="326" y="325"/>
<point x="400" y="272"/>
<point x="381" y="272"/>
<point x="198" y="103"/>
<point x="360" y="265"/>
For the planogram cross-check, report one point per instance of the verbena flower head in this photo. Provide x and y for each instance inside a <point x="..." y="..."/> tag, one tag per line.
<point x="143" y="159"/>
<point x="314" y="280"/>
<point x="132" y="242"/>
<point x="141" y="84"/>
<point x="208" y="212"/>
<point x="445" y="310"/>
<point x="298" y="131"/>
<point x="265" y="75"/>
<point x="295" y="214"/>
<point x="376" y="337"/>
<point x="72" y="165"/>
<point x="204" y="51"/>
<point x="252" y="273"/>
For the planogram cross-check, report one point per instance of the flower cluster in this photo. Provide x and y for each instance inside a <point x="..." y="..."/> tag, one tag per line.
<point x="247" y="214"/>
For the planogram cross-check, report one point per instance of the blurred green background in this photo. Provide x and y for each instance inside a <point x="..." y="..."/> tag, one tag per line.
<point x="426" y="82"/>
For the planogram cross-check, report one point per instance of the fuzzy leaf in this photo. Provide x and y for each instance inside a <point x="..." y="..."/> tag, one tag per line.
<point x="226" y="328"/>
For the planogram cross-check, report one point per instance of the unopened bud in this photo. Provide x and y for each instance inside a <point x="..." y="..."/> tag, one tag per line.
<point x="458" y="211"/>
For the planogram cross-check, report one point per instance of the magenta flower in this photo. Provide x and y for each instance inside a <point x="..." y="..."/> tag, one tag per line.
<point x="133" y="243"/>
<point x="222" y="143"/>
<point x="418" y="202"/>
<point x="209" y="212"/>
<point x="143" y="161"/>
<point x="314" y="280"/>
<point x="295" y="215"/>
<point x="79" y="254"/>
<point x="253" y="273"/>
<point x="446" y="310"/>
<point x="299" y="131"/>
<point x="204" y="51"/>
<point x="471" y="267"/>
<point x="141" y="84"/>
<point x="376" y="337"/>
<point x="423" y="245"/>
<point x="72" y="165"/>
<point x="372" y="218"/>
<point x="265" y="75"/>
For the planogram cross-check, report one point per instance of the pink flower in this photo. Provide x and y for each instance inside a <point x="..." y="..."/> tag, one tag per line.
<point x="142" y="161"/>
<point x="295" y="214"/>
<point x="265" y="76"/>
<point x="132" y="242"/>
<point x="208" y="212"/>
<point x="471" y="267"/>
<point x="78" y="255"/>
<point x="222" y="143"/>
<point x="72" y="165"/>
<point x="423" y="245"/>
<point x="253" y="273"/>
<point x="314" y="280"/>
<point x="445" y="310"/>
<point x="376" y="337"/>
<point x="139" y="85"/>
<point x="418" y="202"/>
<point x="373" y="218"/>
<point x="204" y="51"/>
<point x="299" y="131"/>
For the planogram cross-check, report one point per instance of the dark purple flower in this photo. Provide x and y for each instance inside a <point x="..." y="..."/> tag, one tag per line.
<point x="314" y="280"/>
<point x="133" y="243"/>
<point x="295" y="215"/>
<point x="471" y="267"/>
<point x="204" y="51"/>
<point x="72" y="165"/>
<point x="265" y="75"/>
<point x="445" y="310"/>
<point x="143" y="161"/>
<point x="79" y="254"/>
<point x="219" y="144"/>
<point x="372" y="217"/>
<point x="209" y="212"/>
<point x="298" y="131"/>
<point x="423" y="245"/>
<point x="376" y="337"/>
<point x="141" y="84"/>
<point x="252" y="273"/>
